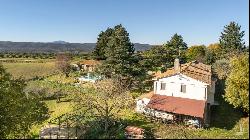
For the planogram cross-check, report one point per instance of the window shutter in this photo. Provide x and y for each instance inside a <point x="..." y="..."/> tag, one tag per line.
<point x="183" y="88"/>
<point x="163" y="86"/>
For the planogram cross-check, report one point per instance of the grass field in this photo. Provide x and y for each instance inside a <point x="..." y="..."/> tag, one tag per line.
<point x="61" y="78"/>
<point x="30" y="70"/>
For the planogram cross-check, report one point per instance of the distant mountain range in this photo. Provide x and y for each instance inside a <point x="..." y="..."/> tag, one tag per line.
<point x="60" y="42"/>
<point x="54" y="47"/>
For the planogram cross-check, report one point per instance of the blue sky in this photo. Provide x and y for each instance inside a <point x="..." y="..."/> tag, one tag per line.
<point x="147" y="21"/>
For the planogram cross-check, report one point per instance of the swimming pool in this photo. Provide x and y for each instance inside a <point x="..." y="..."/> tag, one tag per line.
<point x="89" y="78"/>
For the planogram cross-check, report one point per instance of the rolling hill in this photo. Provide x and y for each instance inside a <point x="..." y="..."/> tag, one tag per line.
<point x="54" y="47"/>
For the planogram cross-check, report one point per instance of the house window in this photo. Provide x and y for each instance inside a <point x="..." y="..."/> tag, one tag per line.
<point x="163" y="86"/>
<point x="183" y="88"/>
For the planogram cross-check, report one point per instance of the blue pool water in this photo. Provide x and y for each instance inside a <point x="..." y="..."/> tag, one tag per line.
<point x="90" y="77"/>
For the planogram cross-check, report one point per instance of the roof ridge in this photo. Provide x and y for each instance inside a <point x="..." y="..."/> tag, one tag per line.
<point x="198" y="71"/>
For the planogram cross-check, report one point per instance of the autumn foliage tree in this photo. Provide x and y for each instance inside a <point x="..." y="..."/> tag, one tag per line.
<point x="231" y="65"/>
<point x="213" y="53"/>
<point x="237" y="82"/>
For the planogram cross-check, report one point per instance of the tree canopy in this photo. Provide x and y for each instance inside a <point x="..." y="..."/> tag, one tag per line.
<point x="18" y="111"/>
<point x="103" y="102"/>
<point x="102" y="44"/>
<point x="176" y="47"/>
<point x="237" y="83"/>
<point x="221" y="68"/>
<point x="157" y="56"/>
<point x="121" y="60"/>
<point x="213" y="53"/>
<point x="196" y="52"/>
<point x="231" y="38"/>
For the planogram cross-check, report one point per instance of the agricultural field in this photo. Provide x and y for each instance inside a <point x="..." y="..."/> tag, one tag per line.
<point x="31" y="69"/>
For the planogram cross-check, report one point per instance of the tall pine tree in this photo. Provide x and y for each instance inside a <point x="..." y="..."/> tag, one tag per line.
<point x="231" y="39"/>
<point x="121" y="59"/>
<point x="101" y="44"/>
<point x="176" y="48"/>
<point x="119" y="53"/>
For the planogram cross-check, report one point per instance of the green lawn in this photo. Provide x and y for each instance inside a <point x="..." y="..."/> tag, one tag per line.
<point x="61" y="78"/>
<point x="55" y="110"/>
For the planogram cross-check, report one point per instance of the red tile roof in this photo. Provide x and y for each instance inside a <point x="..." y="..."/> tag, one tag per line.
<point x="194" y="69"/>
<point x="177" y="105"/>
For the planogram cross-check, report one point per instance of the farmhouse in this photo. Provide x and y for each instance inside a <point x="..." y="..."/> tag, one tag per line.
<point x="183" y="93"/>
<point x="88" y="65"/>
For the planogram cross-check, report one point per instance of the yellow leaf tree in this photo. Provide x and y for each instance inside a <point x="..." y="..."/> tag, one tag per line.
<point x="237" y="83"/>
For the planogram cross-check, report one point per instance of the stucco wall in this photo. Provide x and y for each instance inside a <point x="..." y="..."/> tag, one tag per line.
<point x="194" y="89"/>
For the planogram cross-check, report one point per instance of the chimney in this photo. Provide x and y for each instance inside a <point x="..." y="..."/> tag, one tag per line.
<point x="177" y="66"/>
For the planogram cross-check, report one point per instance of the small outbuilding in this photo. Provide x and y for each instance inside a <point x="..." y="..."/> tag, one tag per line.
<point x="88" y="65"/>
